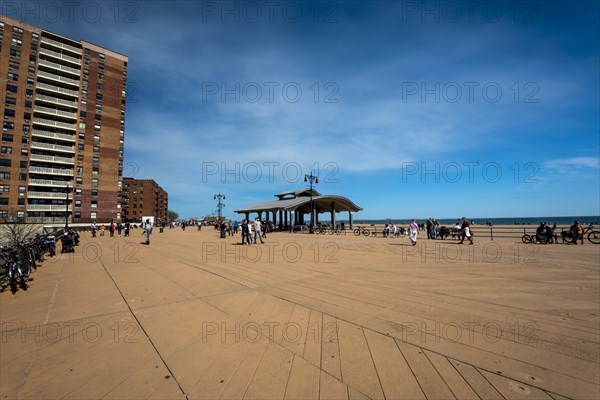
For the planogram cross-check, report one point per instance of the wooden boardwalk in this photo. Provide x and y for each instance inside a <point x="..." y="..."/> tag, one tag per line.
<point x="305" y="316"/>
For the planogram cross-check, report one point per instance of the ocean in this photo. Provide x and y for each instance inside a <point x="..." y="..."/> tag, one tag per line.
<point x="585" y="220"/>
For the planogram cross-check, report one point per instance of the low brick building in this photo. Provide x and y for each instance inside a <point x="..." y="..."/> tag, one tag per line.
<point x="144" y="198"/>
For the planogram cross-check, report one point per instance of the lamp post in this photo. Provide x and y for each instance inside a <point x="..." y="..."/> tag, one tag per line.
<point x="219" y="197"/>
<point x="312" y="179"/>
<point x="68" y="189"/>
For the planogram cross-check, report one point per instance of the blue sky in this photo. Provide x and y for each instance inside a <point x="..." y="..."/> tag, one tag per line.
<point x="410" y="109"/>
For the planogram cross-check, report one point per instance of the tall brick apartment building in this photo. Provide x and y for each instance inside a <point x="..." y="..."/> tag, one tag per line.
<point x="63" y="110"/>
<point x="144" y="198"/>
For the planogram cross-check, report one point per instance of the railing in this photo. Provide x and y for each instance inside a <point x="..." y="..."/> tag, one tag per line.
<point x="46" y="195"/>
<point x="55" y="147"/>
<point x="47" y="75"/>
<point x="57" y="89"/>
<point x="55" y="111"/>
<point x="55" y="123"/>
<point x="54" y="135"/>
<point x="51" y="171"/>
<point x="56" y="100"/>
<point x="60" y="56"/>
<point x="47" y="182"/>
<point x="47" y="220"/>
<point x="61" y="45"/>
<point x="47" y="207"/>
<point x="42" y="157"/>
<point x="63" y="68"/>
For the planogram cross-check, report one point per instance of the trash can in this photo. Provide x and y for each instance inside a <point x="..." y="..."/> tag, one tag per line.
<point x="162" y="229"/>
<point x="222" y="234"/>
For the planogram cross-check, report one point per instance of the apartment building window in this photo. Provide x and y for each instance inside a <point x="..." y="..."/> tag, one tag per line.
<point x="30" y="81"/>
<point x="6" y="150"/>
<point x="77" y="214"/>
<point x="21" y="202"/>
<point x="34" y="36"/>
<point x="101" y="55"/>
<point x="9" y="113"/>
<point x="3" y="214"/>
<point x="99" y="86"/>
<point x="78" y="192"/>
<point x="32" y="59"/>
<point x="28" y="104"/>
<point x="101" y="66"/>
<point x="27" y="116"/>
<point x="24" y="152"/>
<point x="77" y="203"/>
<point x="4" y="176"/>
<point x="3" y="201"/>
<point x="82" y="114"/>
<point x="15" y="53"/>
<point x="26" y="129"/>
<point x="13" y="77"/>
<point x="4" y="188"/>
<point x="5" y="162"/>
<point x="7" y="137"/>
<point x="95" y="181"/>
<point x="22" y="190"/>
<point x="23" y="164"/>
<point x="17" y="30"/>
<point x="80" y="147"/>
<point x="99" y="96"/>
<point x="79" y="180"/>
<point x="22" y="177"/>
<point x="94" y="192"/>
<point x="25" y="140"/>
<point x="98" y="117"/>
<point x="97" y="128"/>
<point x="13" y="64"/>
<point x="34" y="47"/>
<point x="93" y="215"/>
<point x="95" y="171"/>
<point x="10" y="101"/>
<point x="94" y="203"/>
<point x="99" y="107"/>
<point x="84" y="82"/>
<point x="96" y="139"/>
<point x="96" y="149"/>
<point x="10" y="89"/>
<point x="16" y="42"/>
<point x="86" y="71"/>
<point x="83" y="103"/>
<point x="81" y="136"/>
<point x="29" y="93"/>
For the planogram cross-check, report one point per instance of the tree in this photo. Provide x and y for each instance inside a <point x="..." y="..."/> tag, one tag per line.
<point x="173" y="215"/>
<point x="13" y="233"/>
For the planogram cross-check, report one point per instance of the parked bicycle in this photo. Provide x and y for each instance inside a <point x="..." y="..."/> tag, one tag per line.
<point x="361" y="231"/>
<point x="593" y="235"/>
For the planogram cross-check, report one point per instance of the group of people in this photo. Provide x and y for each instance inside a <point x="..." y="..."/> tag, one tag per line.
<point x="112" y="228"/>
<point x="462" y="227"/>
<point x="258" y="228"/>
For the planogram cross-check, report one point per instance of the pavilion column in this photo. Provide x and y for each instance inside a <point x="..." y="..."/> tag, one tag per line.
<point x="350" y="218"/>
<point x="274" y="219"/>
<point x="316" y="216"/>
<point x="280" y="219"/>
<point x="247" y="214"/>
<point x="333" y="214"/>
<point x="285" y="218"/>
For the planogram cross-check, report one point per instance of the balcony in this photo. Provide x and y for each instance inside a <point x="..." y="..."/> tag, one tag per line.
<point x="46" y="195"/>
<point x="54" y="111"/>
<point x="54" y="135"/>
<point x="61" y="45"/>
<point x="59" y="67"/>
<point x="57" y="89"/>
<point x="56" y="124"/>
<point x="58" y="160"/>
<point x="60" y="56"/>
<point x="56" y="100"/>
<point x="51" y="171"/>
<point x="48" y="182"/>
<point x="47" y="220"/>
<point x="54" y="147"/>
<point x="62" y="79"/>
<point x="47" y="207"/>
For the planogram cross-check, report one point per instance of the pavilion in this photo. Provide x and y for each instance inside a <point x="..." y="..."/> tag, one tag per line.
<point x="294" y="205"/>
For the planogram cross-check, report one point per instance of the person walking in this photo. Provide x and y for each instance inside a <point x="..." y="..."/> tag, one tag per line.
<point x="466" y="231"/>
<point x="258" y="231"/>
<point x="147" y="229"/>
<point x="413" y="232"/>
<point x="127" y="226"/>
<point x="119" y="229"/>
<point x="112" y="229"/>
<point x="94" y="229"/>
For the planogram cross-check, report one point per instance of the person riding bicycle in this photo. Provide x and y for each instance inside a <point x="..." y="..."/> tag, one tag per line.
<point x="576" y="232"/>
<point x="540" y="231"/>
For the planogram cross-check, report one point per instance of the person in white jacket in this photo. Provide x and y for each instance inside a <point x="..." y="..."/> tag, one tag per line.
<point x="257" y="230"/>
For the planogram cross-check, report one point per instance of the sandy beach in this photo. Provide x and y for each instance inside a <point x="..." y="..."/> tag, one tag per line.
<point x="305" y="316"/>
